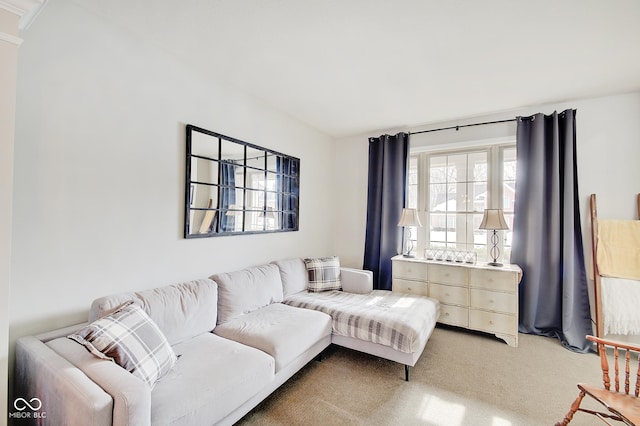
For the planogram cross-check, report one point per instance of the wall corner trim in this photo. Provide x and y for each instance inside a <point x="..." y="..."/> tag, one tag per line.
<point x="27" y="10"/>
<point x="11" y="38"/>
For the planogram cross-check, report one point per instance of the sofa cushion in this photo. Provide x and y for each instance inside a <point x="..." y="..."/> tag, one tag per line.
<point x="324" y="273"/>
<point x="213" y="377"/>
<point x="282" y="331"/>
<point x="294" y="274"/>
<point x="132" y="340"/>
<point x="181" y="311"/>
<point x="244" y="291"/>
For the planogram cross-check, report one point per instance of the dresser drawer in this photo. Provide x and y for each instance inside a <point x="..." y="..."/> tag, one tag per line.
<point x="454" y="315"/>
<point x="448" y="274"/>
<point x="493" y="279"/>
<point x="409" y="270"/>
<point x="449" y="294"/>
<point x="493" y="300"/>
<point x="492" y="322"/>
<point x="410" y="287"/>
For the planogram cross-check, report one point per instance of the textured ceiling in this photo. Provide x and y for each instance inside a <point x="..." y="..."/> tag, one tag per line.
<point x="352" y="66"/>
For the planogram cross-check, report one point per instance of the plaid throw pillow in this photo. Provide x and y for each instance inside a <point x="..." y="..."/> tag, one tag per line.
<point x="131" y="339"/>
<point x="324" y="273"/>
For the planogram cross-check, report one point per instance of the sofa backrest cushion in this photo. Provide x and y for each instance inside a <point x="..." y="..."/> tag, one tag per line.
<point x="244" y="291"/>
<point x="294" y="275"/>
<point x="181" y="311"/>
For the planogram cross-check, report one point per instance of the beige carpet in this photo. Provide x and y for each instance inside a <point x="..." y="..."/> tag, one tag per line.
<point x="462" y="378"/>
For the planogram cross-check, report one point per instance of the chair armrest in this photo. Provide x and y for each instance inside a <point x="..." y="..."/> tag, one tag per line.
<point x="356" y="280"/>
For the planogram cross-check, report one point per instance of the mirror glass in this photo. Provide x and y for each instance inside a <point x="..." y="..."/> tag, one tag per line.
<point x="234" y="187"/>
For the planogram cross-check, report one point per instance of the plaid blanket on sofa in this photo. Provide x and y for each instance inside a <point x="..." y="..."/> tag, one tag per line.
<point x="392" y="319"/>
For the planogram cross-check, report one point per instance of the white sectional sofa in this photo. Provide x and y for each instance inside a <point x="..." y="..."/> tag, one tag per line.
<point x="235" y="337"/>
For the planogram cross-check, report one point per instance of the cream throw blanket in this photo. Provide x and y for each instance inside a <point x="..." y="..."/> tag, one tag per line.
<point x="619" y="248"/>
<point x="619" y="267"/>
<point x="620" y="305"/>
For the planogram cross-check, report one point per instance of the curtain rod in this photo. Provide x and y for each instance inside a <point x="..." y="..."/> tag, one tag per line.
<point x="463" y="125"/>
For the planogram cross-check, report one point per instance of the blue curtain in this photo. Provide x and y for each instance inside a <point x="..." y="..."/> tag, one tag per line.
<point x="547" y="235"/>
<point x="385" y="199"/>
<point x="288" y="184"/>
<point x="227" y="195"/>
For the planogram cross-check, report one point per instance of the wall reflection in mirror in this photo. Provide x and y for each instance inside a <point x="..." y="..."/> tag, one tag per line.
<point x="234" y="187"/>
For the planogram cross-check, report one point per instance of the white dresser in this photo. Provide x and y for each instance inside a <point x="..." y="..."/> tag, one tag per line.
<point x="473" y="296"/>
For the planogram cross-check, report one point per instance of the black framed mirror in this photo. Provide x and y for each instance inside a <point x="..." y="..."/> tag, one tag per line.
<point x="234" y="187"/>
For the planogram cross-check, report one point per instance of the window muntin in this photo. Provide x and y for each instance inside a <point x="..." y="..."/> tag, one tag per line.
<point x="457" y="198"/>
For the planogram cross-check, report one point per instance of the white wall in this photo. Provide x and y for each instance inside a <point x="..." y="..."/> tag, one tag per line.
<point x="9" y="43"/>
<point x="608" y="146"/>
<point x="99" y="170"/>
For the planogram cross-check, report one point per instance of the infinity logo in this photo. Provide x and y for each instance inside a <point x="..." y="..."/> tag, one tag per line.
<point x="21" y="404"/>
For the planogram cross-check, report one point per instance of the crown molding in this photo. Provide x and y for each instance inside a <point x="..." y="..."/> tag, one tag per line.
<point x="27" y="10"/>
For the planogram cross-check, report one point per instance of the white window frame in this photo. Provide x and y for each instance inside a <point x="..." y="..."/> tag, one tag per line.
<point x="495" y="189"/>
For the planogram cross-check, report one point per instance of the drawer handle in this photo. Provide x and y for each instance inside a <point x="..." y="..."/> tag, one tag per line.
<point x="446" y="314"/>
<point x="491" y="322"/>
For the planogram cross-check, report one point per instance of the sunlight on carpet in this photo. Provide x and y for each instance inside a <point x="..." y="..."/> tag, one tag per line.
<point x="439" y="411"/>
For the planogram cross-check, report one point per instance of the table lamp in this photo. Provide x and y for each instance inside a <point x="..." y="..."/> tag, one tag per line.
<point x="493" y="220"/>
<point x="408" y="219"/>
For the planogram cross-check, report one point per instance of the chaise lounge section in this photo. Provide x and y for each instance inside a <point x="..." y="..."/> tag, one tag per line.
<point x="390" y="325"/>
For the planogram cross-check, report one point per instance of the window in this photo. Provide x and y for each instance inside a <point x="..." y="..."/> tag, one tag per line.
<point x="451" y="189"/>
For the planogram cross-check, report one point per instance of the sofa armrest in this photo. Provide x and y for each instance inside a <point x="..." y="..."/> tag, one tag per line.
<point x="356" y="280"/>
<point x="66" y="394"/>
<point x="131" y="396"/>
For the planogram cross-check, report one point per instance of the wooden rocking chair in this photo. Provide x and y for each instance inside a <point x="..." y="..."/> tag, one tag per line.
<point x="622" y="404"/>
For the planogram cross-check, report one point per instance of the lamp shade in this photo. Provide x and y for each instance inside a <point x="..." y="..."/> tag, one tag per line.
<point x="493" y="219"/>
<point x="409" y="218"/>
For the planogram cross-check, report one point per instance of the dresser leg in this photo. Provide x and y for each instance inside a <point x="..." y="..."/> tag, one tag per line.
<point x="509" y="339"/>
<point x="406" y="373"/>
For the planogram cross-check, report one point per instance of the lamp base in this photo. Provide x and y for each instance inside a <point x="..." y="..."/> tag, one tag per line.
<point x="408" y="255"/>
<point x="494" y="264"/>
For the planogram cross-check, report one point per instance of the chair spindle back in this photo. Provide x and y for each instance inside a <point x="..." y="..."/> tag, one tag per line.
<point x="631" y="363"/>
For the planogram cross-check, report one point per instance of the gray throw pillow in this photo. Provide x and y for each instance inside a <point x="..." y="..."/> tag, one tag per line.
<point x="324" y="273"/>
<point x="131" y="339"/>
